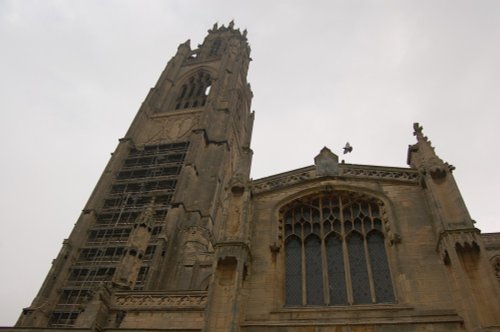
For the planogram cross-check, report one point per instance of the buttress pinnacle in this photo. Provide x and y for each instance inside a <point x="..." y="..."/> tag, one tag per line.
<point x="423" y="157"/>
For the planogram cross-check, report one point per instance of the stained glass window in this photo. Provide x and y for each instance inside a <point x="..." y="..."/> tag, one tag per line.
<point x="336" y="274"/>
<point x="380" y="268"/>
<point x="294" y="272"/>
<point x="335" y="251"/>
<point x="359" y="272"/>
<point x="314" y="276"/>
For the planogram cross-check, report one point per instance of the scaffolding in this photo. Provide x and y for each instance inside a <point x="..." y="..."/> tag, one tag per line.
<point x="145" y="173"/>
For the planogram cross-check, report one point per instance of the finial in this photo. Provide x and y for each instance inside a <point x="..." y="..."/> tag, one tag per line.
<point x="417" y="127"/>
<point x="245" y="33"/>
<point x="184" y="48"/>
<point x="215" y="26"/>
<point x="428" y="162"/>
<point x="187" y="44"/>
<point x="231" y="24"/>
<point x="418" y="132"/>
<point x="326" y="163"/>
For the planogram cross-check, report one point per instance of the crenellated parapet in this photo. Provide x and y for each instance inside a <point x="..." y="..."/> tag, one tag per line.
<point x="219" y="40"/>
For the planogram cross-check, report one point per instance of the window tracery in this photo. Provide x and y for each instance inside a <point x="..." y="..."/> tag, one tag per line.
<point x="195" y="91"/>
<point x="335" y="251"/>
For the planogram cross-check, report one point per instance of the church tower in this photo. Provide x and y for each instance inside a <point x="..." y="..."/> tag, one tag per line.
<point x="163" y="222"/>
<point x="176" y="237"/>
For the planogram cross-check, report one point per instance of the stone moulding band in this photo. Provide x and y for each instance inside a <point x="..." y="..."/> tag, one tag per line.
<point x="160" y="301"/>
<point x="308" y="173"/>
<point x="363" y="315"/>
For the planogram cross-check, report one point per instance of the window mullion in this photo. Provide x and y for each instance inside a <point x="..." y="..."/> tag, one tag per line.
<point x="389" y="266"/>
<point x="324" y="265"/>
<point x="369" y="267"/>
<point x="303" y="257"/>
<point x="347" y="266"/>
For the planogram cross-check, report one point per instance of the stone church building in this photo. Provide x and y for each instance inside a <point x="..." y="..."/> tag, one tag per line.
<point x="177" y="237"/>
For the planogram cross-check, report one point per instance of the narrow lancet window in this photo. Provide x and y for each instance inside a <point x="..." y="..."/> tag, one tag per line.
<point x="359" y="272"/>
<point x="216" y="46"/>
<point x="380" y="268"/>
<point x="336" y="271"/>
<point x="293" y="272"/>
<point x="314" y="276"/>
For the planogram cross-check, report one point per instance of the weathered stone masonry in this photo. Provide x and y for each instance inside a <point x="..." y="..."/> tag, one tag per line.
<point x="177" y="237"/>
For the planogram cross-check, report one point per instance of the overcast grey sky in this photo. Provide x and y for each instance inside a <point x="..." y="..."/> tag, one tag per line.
<point x="73" y="74"/>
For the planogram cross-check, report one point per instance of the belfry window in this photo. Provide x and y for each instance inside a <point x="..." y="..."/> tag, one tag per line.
<point x="335" y="251"/>
<point x="194" y="92"/>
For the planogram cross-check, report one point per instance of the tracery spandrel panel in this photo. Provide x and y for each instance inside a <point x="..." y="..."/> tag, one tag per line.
<point x="335" y="251"/>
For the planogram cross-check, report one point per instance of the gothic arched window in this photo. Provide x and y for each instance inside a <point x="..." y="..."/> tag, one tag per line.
<point x="335" y="251"/>
<point x="194" y="92"/>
